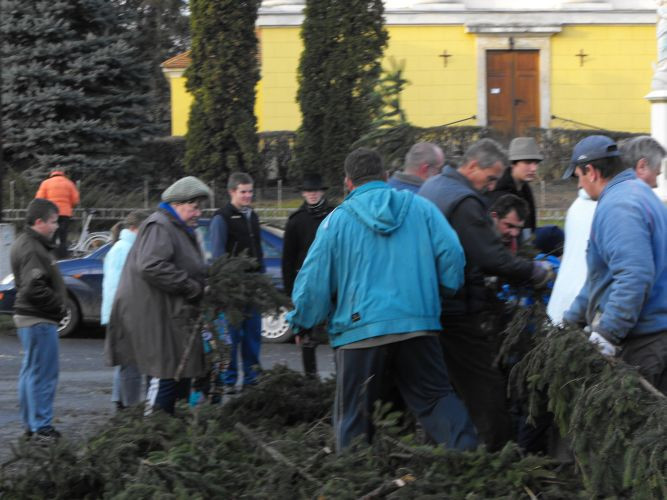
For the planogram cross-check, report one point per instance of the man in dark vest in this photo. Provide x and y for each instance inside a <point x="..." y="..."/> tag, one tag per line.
<point x="233" y="229"/>
<point x="470" y="319"/>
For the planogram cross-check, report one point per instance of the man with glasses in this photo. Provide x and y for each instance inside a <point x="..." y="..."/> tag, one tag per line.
<point x="158" y="295"/>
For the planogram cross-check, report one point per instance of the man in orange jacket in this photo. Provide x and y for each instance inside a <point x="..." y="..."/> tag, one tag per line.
<point x="63" y="192"/>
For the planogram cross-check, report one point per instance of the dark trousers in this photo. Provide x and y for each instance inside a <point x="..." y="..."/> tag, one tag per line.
<point x="61" y="236"/>
<point x="417" y="369"/>
<point x="649" y="354"/>
<point x="163" y="393"/>
<point x="469" y="351"/>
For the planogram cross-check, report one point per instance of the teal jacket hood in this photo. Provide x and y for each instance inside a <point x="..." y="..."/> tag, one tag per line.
<point x="378" y="206"/>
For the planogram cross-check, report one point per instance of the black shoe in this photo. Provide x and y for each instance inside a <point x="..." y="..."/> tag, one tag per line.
<point x="230" y="389"/>
<point x="27" y="435"/>
<point x="47" y="434"/>
<point x="120" y="406"/>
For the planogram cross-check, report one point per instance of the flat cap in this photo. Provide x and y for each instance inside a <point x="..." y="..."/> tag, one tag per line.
<point x="186" y="189"/>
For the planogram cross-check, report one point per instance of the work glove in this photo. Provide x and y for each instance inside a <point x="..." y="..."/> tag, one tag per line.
<point x="543" y="274"/>
<point x="605" y="347"/>
<point x="194" y="291"/>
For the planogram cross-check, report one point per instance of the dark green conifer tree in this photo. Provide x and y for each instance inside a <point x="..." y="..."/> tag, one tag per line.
<point x="222" y="77"/>
<point x="339" y="68"/>
<point x="73" y="89"/>
<point x="160" y="29"/>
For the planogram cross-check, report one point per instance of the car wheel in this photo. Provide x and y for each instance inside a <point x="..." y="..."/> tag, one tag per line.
<point x="72" y="318"/>
<point x="275" y="329"/>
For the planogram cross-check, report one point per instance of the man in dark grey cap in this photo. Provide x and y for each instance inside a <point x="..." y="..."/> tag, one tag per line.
<point x="624" y="296"/>
<point x="157" y="299"/>
<point x="524" y="157"/>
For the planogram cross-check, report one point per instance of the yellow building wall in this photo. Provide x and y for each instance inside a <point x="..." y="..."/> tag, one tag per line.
<point x="437" y="94"/>
<point x="281" y="49"/>
<point x="181" y="101"/>
<point x="608" y="90"/>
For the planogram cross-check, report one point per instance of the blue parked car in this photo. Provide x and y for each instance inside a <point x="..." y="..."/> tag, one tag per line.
<point x="83" y="279"/>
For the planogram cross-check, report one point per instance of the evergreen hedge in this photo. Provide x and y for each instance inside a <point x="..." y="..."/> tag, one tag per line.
<point x="222" y="78"/>
<point x="338" y="70"/>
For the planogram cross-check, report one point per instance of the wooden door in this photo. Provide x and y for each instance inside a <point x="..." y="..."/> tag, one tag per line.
<point x="512" y="90"/>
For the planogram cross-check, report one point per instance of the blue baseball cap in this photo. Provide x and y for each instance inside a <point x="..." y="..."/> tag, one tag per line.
<point x="593" y="147"/>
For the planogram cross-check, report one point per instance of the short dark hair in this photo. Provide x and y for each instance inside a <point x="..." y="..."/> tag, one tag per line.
<point x="40" y="208"/>
<point x="364" y="165"/>
<point x="508" y="202"/>
<point x="238" y="178"/>
<point x="608" y="167"/>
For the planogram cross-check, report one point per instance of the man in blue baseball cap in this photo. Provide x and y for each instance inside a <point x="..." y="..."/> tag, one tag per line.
<point x="623" y="299"/>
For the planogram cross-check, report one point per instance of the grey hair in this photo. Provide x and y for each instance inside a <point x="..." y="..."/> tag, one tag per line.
<point x="486" y="152"/>
<point x="238" y="178"/>
<point x="634" y="149"/>
<point x="423" y="152"/>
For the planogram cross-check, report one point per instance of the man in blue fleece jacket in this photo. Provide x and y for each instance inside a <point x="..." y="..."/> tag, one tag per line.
<point x="375" y="271"/>
<point x="624" y="299"/>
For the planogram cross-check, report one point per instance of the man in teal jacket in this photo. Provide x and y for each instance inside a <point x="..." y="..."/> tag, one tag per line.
<point x="374" y="272"/>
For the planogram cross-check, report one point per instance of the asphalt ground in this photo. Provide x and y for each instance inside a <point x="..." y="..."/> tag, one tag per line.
<point x="82" y="402"/>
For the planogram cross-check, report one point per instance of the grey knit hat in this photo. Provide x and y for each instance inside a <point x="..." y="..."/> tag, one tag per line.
<point x="186" y="189"/>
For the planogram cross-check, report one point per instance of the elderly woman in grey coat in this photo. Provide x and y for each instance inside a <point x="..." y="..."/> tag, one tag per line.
<point x="156" y="305"/>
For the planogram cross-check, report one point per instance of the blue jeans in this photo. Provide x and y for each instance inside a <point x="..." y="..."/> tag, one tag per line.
<point x="38" y="377"/>
<point x="418" y="370"/>
<point x="249" y="336"/>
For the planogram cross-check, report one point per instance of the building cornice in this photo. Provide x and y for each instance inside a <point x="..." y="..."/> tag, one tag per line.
<point x="458" y="16"/>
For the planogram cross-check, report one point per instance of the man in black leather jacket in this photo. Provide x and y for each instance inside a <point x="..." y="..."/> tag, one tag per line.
<point x="470" y="318"/>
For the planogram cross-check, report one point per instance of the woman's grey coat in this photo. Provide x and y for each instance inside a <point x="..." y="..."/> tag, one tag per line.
<point x="153" y="313"/>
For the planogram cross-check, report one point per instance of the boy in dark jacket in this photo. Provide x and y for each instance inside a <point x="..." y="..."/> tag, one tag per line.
<point x="39" y="306"/>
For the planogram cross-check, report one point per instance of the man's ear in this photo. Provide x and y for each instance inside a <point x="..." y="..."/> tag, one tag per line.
<point x="642" y="164"/>
<point x="468" y="167"/>
<point x="348" y="184"/>
<point x="493" y="215"/>
<point x="422" y="170"/>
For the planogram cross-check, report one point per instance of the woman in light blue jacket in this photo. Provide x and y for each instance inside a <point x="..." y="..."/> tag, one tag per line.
<point x="126" y="390"/>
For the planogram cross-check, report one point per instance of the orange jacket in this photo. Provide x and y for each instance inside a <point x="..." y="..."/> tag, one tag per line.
<point x="61" y="191"/>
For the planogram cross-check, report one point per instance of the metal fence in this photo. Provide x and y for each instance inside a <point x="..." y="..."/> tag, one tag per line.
<point x="276" y="216"/>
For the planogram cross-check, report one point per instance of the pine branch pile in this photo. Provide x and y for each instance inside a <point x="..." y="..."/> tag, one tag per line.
<point x="276" y="441"/>
<point x="615" y="421"/>
<point x="235" y="288"/>
<point x="241" y="450"/>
